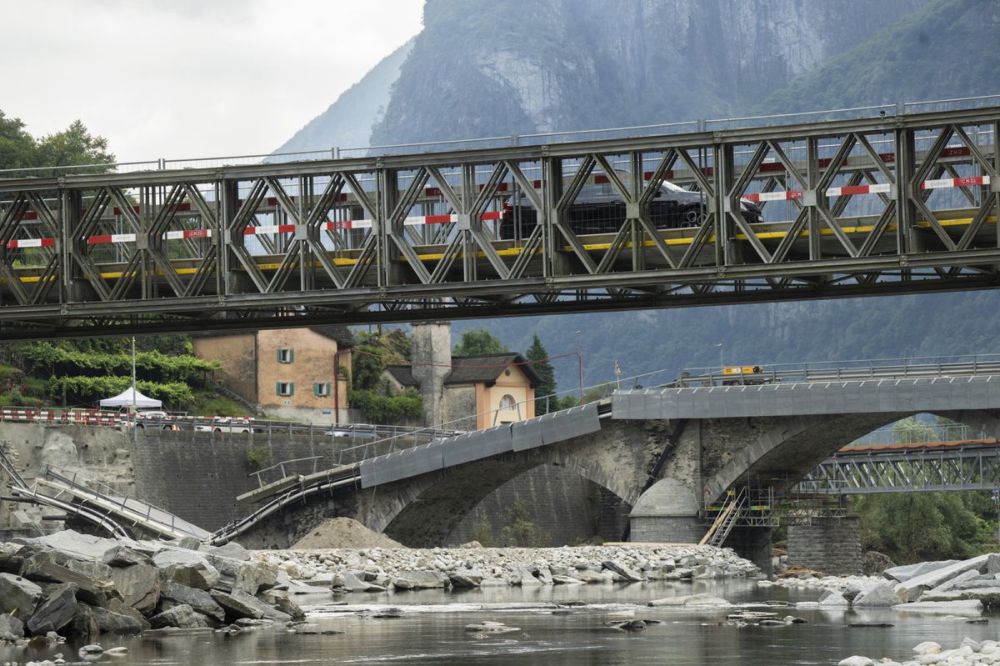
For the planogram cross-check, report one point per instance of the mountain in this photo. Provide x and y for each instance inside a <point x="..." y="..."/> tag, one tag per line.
<point x="347" y="123"/>
<point x="941" y="51"/>
<point x="484" y="69"/>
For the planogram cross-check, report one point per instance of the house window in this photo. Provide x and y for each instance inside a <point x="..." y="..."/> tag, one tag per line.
<point x="507" y="403"/>
<point x="286" y="355"/>
<point x="321" y="390"/>
<point x="285" y="388"/>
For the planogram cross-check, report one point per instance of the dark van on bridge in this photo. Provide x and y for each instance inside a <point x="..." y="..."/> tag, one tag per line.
<point x="600" y="210"/>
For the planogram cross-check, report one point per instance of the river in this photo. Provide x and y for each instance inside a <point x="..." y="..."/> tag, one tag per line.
<point x="431" y="630"/>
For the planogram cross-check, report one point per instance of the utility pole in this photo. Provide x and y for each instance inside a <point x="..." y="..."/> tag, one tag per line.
<point x="135" y="427"/>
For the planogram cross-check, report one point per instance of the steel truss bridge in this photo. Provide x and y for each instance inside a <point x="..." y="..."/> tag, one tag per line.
<point x="907" y="468"/>
<point x="882" y="205"/>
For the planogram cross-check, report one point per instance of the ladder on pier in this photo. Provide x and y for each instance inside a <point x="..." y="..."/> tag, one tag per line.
<point x="732" y="511"/>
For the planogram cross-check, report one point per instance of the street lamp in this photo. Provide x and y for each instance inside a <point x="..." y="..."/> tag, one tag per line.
<point x="722" y="349"/>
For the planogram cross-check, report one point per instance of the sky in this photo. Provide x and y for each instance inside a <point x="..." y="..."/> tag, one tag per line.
<point x="190" y="78"/>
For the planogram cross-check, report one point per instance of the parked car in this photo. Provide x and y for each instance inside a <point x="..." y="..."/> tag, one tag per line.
<point x="155" y="419"/>
<point x="225" y="424"/>
<point x="355" y="431"/>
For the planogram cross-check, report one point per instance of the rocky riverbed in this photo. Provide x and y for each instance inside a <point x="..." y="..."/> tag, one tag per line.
<point x="962" y="588"/>
<point x="80" y="586"/>
<point x="71" y="585"/>
<point x="401" y="569"/>
<point x="969" y="653"/>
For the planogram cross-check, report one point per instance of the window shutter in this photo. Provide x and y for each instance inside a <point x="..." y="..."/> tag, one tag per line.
<point x="291" y="355"/>
<point x="291" y="388"/>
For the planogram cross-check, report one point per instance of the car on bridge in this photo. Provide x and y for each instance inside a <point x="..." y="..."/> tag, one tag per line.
<point x="599" y="209"/>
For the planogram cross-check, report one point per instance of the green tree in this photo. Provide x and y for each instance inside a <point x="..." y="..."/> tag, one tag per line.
<point x="368" y="364"/>
<point x="477" y="342"/>
<point x="911" y="527"/>
<point x="539" y="359"/>
<point x="17" y="148"/>
<point x="75" y="145"/>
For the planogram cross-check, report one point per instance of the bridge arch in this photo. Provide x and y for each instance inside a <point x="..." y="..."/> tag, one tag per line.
<point x="784" y="450"/>
<point x="425" y="511"/>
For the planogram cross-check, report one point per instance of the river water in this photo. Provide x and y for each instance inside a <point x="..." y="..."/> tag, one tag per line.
<point x="431" y="630"/>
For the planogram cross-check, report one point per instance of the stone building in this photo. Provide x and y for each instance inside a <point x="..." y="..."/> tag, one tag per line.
<point x="298" y="374"/>
<point x="465" y="392"/>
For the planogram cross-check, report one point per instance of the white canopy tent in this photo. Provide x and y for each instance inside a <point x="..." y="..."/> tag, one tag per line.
<point x="130" y="397"/>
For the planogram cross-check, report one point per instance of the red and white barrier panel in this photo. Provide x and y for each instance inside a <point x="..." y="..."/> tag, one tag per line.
<point x="851" y="190"/>
<point x="30" y="242"/>
<point x="967" y="181"/>
<point x="415" y="221"/>
<point x="76" y="417"/>
<point x="772" y="196"/>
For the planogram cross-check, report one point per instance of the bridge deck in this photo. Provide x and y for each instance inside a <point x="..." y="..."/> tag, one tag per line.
<point x="860" y="206"/>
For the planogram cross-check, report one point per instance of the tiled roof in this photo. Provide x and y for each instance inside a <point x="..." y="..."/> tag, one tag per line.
<point x="402" y="374"/>
<point x="487" y="368"/>
<point x="471" y="370"/>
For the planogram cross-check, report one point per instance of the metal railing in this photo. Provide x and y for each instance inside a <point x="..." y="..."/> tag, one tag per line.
<point x="815" y="371"/>
<point x="539" y="138"/>
<point x="138" y="512"/>
<point x="918" y="433"/>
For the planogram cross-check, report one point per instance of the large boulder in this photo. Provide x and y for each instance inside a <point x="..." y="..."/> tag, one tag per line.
<point x="58" y="610"/>
<point x="11" y="628"/>
<point x="905" y="572"/>
<point x="139" y="585"/>
<point x="629" y="575"/>
<point x="464" y="578"/>
<point x="182" y="616"/>
<point x="240" y="605"/>
<point x="966" y="608"/>
<point x="247" y="576"/>
<point x="83" y="625"/>
<point x="423" y="580"/>
<point x="187" y="567"/>
<point x="18" y="595"/>
<point x="833" y="599"/>
<point x="281" y="600"/>
<point x="87" y="547"/>
<point x="11" y="558"/>
<point x="912" y="588"/>
<point x="175" y="594"/>
<point x="92" y="578"/>
<point x="348" y="581"/>
<point x="112" y="622"/>
<point x="880" y="596"/>
<point x="691" y="601"/>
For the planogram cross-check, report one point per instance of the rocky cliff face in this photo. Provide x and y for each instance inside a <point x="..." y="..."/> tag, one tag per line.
<point x="347" y="123"/>
<point x="482" y="68"/>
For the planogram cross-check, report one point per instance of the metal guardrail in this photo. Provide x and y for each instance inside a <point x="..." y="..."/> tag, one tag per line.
<point x="887" y="368"/>
<point x="516" y="140"/>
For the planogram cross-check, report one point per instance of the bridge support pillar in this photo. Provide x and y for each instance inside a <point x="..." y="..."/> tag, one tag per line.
<point x="754" y="544"/>
<point x="828" y="544"/>
<point x="669" y="511"/>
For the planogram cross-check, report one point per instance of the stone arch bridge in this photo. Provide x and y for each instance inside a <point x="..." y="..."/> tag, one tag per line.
<point x="666" y="453"/>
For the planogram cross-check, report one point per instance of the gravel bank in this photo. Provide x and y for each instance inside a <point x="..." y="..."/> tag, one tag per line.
<point x="397" y="569"/>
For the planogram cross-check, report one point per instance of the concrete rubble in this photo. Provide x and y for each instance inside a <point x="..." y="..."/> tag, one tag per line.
<point x="78" y="585"/>
<point x="401" y="569"/>
<point x="960" y="588"/>
<point x="928" y="653"/>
